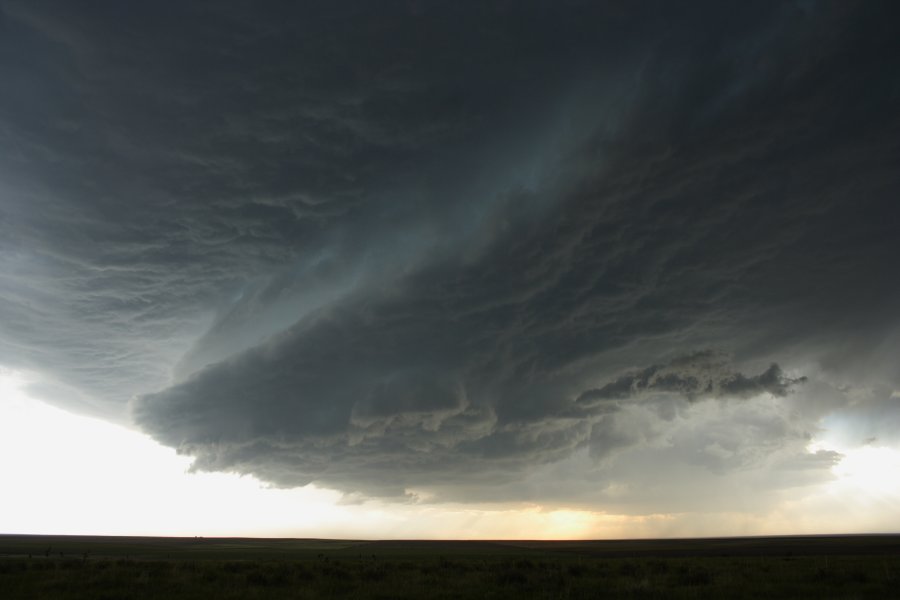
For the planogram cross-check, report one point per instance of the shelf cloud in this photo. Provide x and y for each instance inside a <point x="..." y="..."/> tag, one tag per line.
<point x="461" y="251"/>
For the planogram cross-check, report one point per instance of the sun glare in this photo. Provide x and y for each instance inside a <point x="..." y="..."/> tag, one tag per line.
<point x="873" y="470"/>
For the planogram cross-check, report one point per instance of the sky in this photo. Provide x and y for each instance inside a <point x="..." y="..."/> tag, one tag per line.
<point x="430" y="269"/>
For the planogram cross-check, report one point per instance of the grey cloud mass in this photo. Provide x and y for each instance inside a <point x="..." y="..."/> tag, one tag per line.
<point x="472" y="251"/>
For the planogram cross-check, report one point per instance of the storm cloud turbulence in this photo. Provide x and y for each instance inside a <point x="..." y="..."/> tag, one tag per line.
<point x="602" y="252"/>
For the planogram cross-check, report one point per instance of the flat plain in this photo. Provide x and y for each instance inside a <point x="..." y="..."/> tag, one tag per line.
<point x="847" y="566"/>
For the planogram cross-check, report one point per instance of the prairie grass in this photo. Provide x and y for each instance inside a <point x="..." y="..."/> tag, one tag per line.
<point x="543" y="575"/>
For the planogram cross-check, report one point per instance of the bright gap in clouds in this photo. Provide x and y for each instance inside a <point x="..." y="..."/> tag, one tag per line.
<point x="68" y="474"/>
<point x="872" y="470"/>
<point x="866" y="476"/>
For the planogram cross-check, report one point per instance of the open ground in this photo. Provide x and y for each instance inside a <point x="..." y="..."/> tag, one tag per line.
<point x="859" y="566"/>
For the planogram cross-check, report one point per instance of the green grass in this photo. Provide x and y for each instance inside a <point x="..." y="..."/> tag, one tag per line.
<point x="381" y="570"/>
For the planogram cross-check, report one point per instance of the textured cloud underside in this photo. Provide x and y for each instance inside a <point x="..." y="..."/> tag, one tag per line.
<point x="498" y="251"/>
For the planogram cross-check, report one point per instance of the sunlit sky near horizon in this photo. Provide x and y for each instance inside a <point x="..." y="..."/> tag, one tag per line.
<point x="428" y="269"/>
<point x="99" y="478"/>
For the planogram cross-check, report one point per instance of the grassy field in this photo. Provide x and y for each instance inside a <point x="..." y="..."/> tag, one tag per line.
<point x="175" y="568"/>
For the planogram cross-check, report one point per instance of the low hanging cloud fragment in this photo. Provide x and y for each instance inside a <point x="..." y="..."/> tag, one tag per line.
<point x="702" y="374"/>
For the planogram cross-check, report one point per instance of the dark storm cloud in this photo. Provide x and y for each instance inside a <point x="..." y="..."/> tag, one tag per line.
<point x="160" y="163"/>
<point x="392" y="247"/>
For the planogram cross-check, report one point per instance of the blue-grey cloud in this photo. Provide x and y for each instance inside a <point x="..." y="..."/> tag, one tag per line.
<point x="453" y="247"/>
